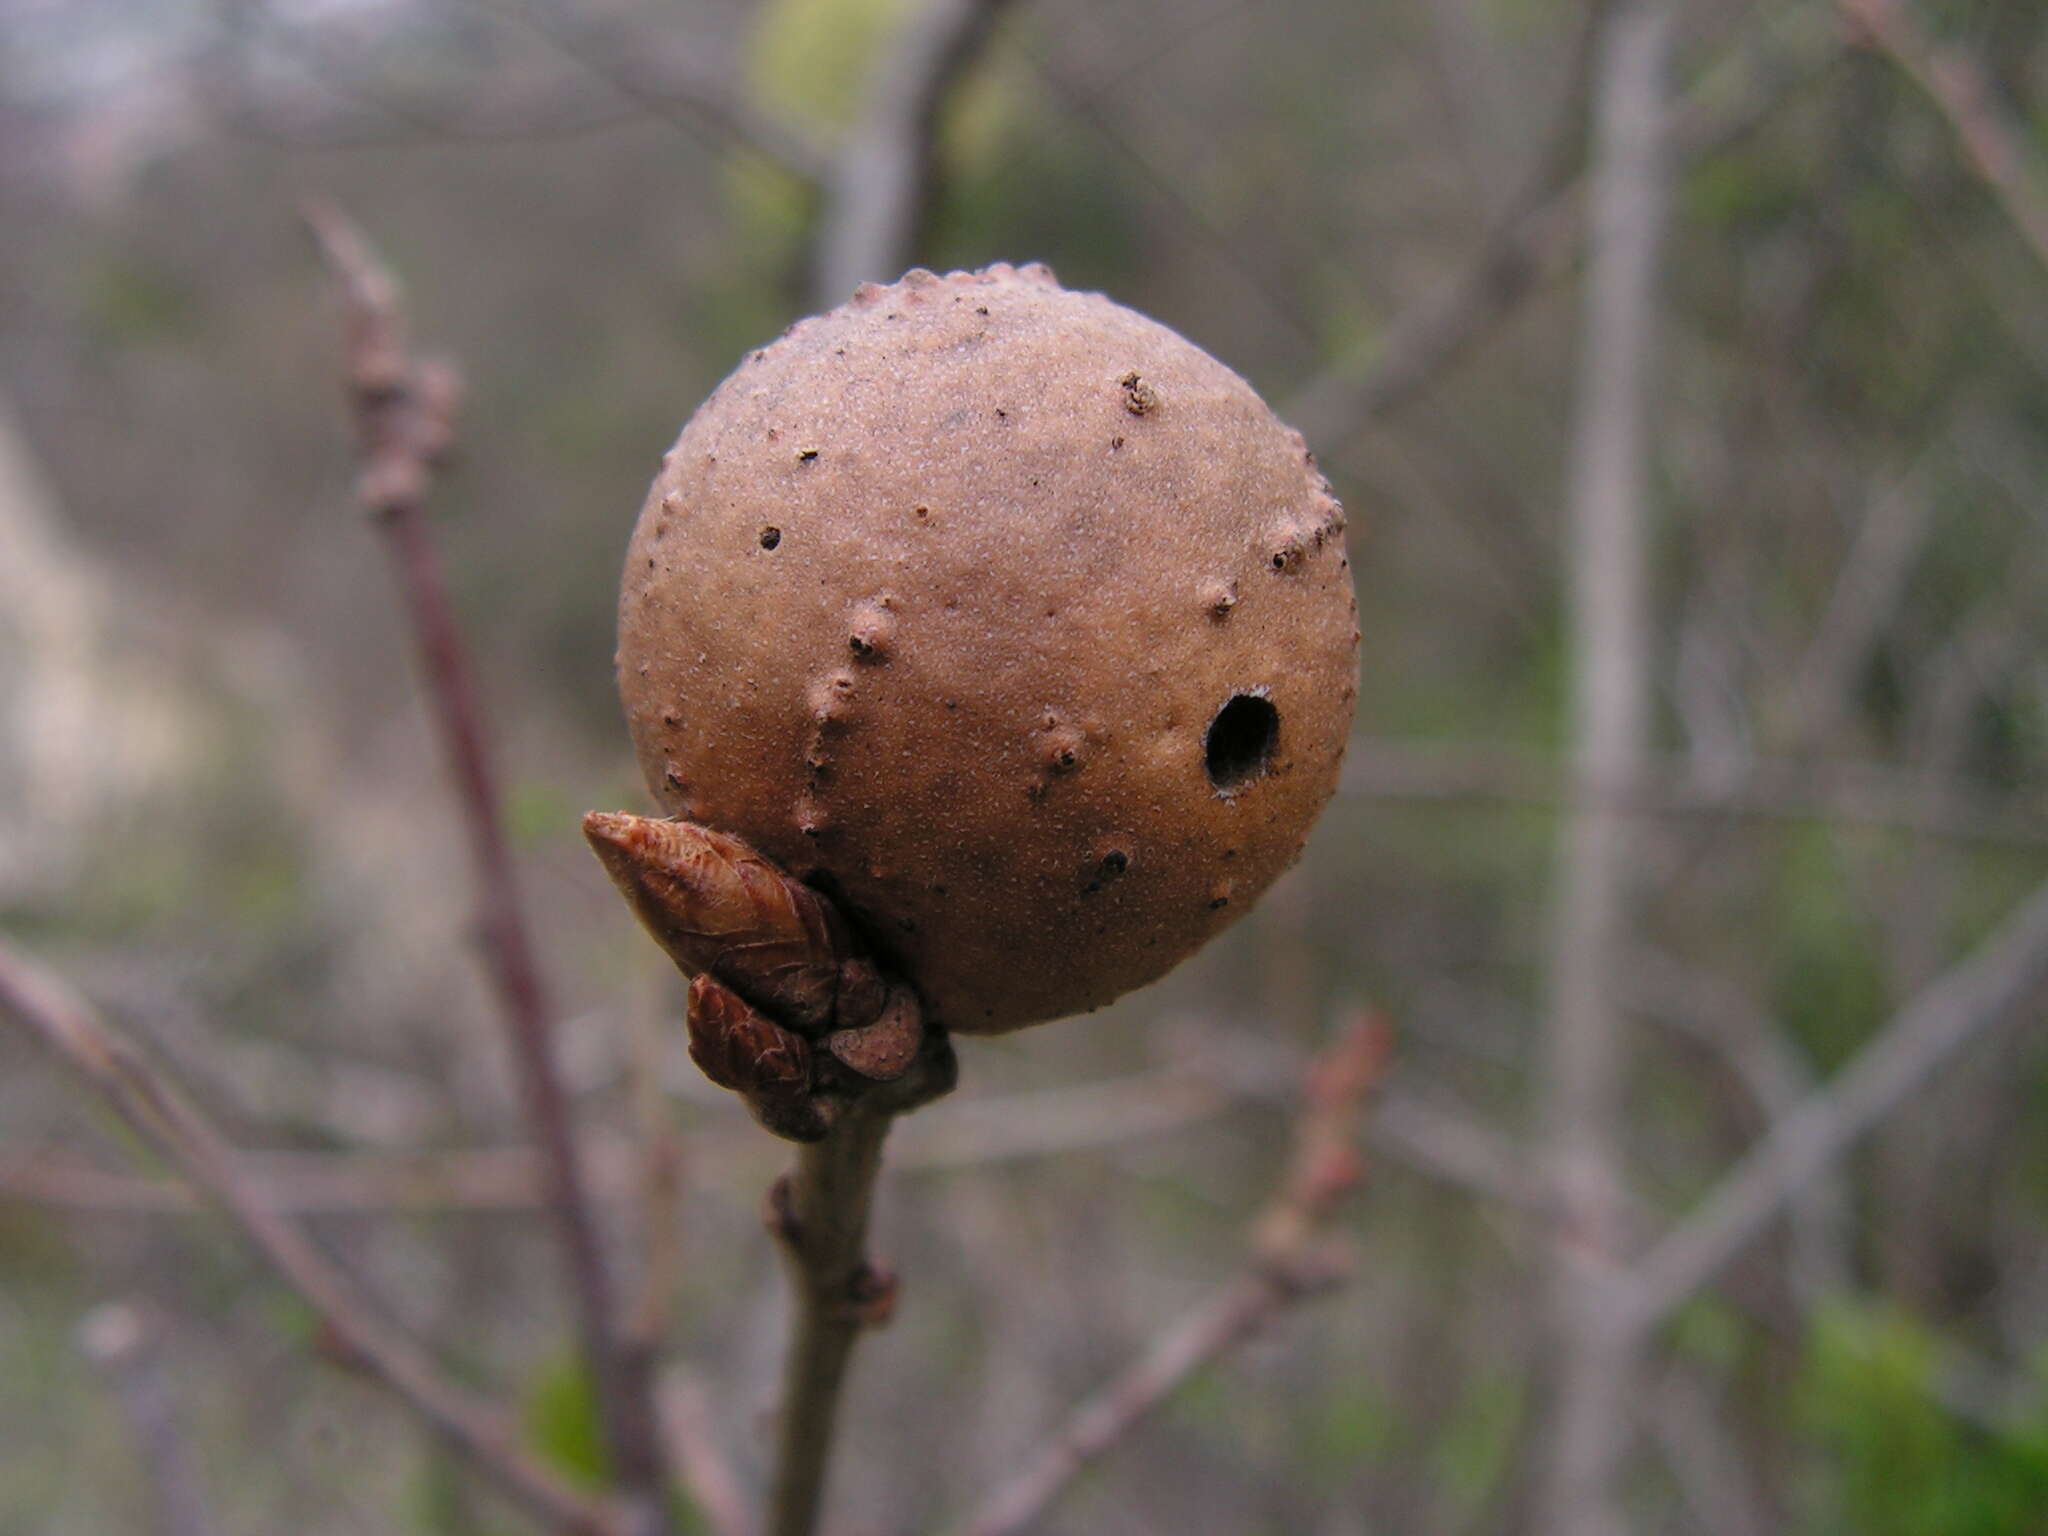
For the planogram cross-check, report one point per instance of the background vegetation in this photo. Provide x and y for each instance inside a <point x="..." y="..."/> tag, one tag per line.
<point x="220" y="811"/>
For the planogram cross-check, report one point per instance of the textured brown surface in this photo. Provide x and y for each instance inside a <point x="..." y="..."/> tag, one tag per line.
<point x="935" y="600"/>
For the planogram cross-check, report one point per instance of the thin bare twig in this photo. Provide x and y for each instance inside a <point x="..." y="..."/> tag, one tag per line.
<point x="878" y="189"/>
<point x="707" y="1469"/>
<point x="1289" y="1264"/>
<point x="404" y="420"/>
<point x="1957" y="87"/>
<point x="1534" y="245"/>
<point x="667" y="78"/>
<point x="819" y="1214"/>
<point x="166" y="1119"/>
<point x="504" y="1179"/>
<point x="1858" y="794"/>
<point x="1943" y="1018"/>
<point x="121" y="1339"/>
<point x="1608" y="554"/>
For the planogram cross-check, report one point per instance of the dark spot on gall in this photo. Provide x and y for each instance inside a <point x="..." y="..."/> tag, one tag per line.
<point x="806" y="455"/>
<point x="770" y="536"/>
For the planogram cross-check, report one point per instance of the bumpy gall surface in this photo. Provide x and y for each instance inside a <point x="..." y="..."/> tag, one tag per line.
<point x="1008" y="618"/>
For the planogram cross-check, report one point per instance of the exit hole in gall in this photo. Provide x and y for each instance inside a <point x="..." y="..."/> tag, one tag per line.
<point x="1238" y="746"/>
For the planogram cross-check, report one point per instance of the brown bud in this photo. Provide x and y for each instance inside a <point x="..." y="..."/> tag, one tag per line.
<point x="883" y="1050"/>
<point x="766" y="1065"/>
<point x="719" y="908"/>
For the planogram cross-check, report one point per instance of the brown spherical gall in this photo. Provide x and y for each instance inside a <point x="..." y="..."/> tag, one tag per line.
<point x="1049" y="665"/>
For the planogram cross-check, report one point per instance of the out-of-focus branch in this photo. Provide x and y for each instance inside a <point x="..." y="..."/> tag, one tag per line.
<point x="1865" y="600"/>
<point x="1957" y="87"/>
<point x="1289" y="1263"/>
<point x="121" y="1341"/>
<point x="668" y="79"/>
<point x="1762" y="1057"/>
<point x="482" y="1179"/>
<point x="404" y="415"/>
<point x="1999" y="976"/>
<point x="1584" y="1054"/>
<point x="171" y="1123"/>
<point x="1536" y="238"/>
<point x="1845" y="793"/>
<point x="707" y="1470"/>
<point x="877" y="190"/>
<point x="1536" y="243"/>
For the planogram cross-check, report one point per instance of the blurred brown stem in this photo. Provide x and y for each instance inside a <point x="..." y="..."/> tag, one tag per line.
<point x="404" y="412"/>
<point x="121" y="1339"/>
<point x="170" y="1122"/>
<point x="1957" y="87"/>
<point x="1289" y="1264"/>
<point x="1992" y="984"/>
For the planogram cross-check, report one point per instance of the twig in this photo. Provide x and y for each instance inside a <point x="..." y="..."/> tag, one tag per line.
<point x="1534" y="241"/>
<point x="1288" y="1265"/>
<point x="1957" y="87"/>
<point x="672" y="83"/>
<point x="165" y="1118"/>
<point x="121" y="1341"/>
<point x="1937" y="1023"/>
<point x="707" y="1470"/>
<point x="1584" y="1048"/>
<point x="1537" y="243"/>
<point x="1761" y="1056"/>
<point x="1840" y="793"/>
<point x="878" y="188"/>
<point x="404" y="420"/>
<point x="1866" y="598"/>
<point x="819" y="1214"/>
<point x="483" y="1179"/>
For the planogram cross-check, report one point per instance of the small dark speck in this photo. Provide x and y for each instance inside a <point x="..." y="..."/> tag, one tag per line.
<point x="1115" y="862"/>
<point x="770" y="536"/>
<point x="981" y="309"/>
<point x="1115" y="443"/>
<point x="1001" y="414"/>
<point x="1218" y="901"/>
<point x="807" y="455"/>
<point x="952" y="703"/>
